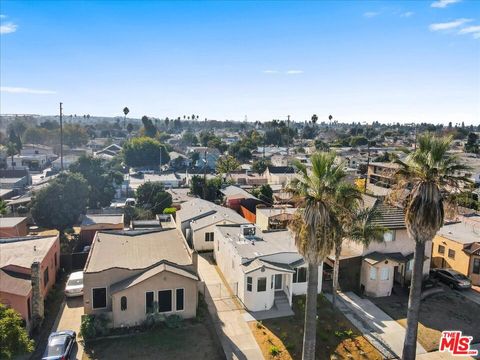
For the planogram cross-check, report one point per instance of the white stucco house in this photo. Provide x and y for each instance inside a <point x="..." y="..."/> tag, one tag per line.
<point x="266" y="266"/>
<point x="197" y="219"/>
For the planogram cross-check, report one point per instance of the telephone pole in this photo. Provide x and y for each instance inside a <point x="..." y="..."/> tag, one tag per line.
<point x="288" y="135"/>
<point x="61" y="138"/>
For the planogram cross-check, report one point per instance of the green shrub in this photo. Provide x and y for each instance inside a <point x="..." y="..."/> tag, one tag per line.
<point x="173" y="321"/>
<point x="169" y="210"/>
<point x="274" y="350"/>
<point x="93" y="326"/>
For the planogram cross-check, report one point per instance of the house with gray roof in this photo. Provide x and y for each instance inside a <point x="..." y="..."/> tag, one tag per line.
<point x="131" y="274"/>
<point x="264" y="268"/>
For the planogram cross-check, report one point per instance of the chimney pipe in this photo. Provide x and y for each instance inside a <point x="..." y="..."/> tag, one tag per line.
<point x="37" y="298"/>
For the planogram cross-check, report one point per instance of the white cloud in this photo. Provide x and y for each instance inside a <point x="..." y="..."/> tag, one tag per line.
<point x="407" y="14"/>
<point x="20" y="90"/>
<point x="8" y="28"/>
<point x="370" y="14"/>
<point x="443" y="3"/>
<point x="294" y="72"/>
<point x="474" y="30"/>
<point x="448" y="25"/>
<point x="270" y="71"/>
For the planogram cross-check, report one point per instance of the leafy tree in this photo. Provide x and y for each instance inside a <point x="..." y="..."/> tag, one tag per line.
<point x="259" y="166"/>
<point x="264" y="193"/>
<point x="212" y="187"/>
<point x="320" y="145"/>
<point x="3" y="207"/>
<point x="14" y="340"/>
<point x="144" y="151"/>
<point x="153" y="197"/>
<point x="149" y="128"/>
<point x="358" y="141"/>
<point x="472" y="143"/>
<point x="205" y="137"/>
<point x="129" y="128"/>
<point x="59" y="205"/>
<point x="100" y="178"/>
<point x="189" y="139"/>
<point x="427" y="173"/>
<point x="37" y="135"/>
<point x="226" y="164"/>
<point x="15" y="139"/>
<point x="74" y="135"/>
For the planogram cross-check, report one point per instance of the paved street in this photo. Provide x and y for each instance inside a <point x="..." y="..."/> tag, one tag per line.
<point x="69" y="318"/>
<point x="236" y="338"/>
<point x="471" y="295"/>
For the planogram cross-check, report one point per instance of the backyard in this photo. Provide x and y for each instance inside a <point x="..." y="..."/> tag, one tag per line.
<point x="337" y="338"/>
<point x="437" y="313"/>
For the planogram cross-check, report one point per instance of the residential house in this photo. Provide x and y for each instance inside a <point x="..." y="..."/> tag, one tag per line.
<point x="67" y="161"/>
<point x="91" y="223"/>
<point x="13" y="227"/>
<point x="28" y="270"/>
<point x="381" y="173"/>
<point x="247" y="178"/>
<point x="274" y="218"/>
<point x="232" y="196"/>
<point x="197" y="219"/>
<point x="130" y="274"/>
<point x="376" y="268"/>
<point x="263" y="268"/>
<point x="457" y="246"/>
<point x="279" y="175"/>
<point x="109" y="152"/>
<point x="206" y="156"/>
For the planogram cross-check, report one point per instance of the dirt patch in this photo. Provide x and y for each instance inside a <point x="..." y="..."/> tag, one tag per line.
<point x="337" y="338"/>
<point x="448" y="310"/>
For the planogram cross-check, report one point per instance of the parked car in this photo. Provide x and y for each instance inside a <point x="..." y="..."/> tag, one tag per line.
<point x="74" y="285"/>
<point x="452" y="278"/>
<point x="60" y="345"/>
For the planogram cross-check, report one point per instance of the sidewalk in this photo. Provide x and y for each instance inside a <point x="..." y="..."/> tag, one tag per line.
<point x="235" y="335"/>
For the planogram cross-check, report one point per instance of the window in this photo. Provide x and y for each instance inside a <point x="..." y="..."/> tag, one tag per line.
<point x="389" y="236"/>
<point x="123" y="303"/>
<point x="384" y="273"/>
<point x="164" y="301"/>
<point x="373" y="273"/>
<point x="149" y="302"/>
<point x="451" y="254"/>
<point x="441" y="249"/>
<point x="261" y="284"/>
<point x="99" y="298"/>
<point x="249" y="283"/>
<point x="476" y="266"/>
<point x="209" y="236"/>
<point x="45" y="277"/>
<point x="300" y="275"/>
<point x="410" y="265"/>
<point x="179" y="293"/>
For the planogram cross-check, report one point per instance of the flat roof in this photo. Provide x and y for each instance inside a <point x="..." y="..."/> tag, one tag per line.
<point x="136" y="249"/>
<point x="11" y="221"/>
<point x="24" y="251"/>
<point x="461" y="232"/>
<point x="102" y="219"/>
<point x="268" y="212"/>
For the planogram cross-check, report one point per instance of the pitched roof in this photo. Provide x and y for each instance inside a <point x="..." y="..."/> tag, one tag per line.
<point x="204" y="212"/>
<point x="12" y="282"/>
<point x="24" y="251"/>
<point x="391" y="217"/>
<point x="473" y="249"/>
<point x="376" y="257"/>
<point x="136" y="249"/>
<point x="11" y="221"/>
<point x="281" y="170"/>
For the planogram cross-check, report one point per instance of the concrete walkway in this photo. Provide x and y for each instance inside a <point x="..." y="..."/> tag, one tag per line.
<point x="69" y="318"/>
<point x="381" y="330"/>
<point x="235" y="336"/>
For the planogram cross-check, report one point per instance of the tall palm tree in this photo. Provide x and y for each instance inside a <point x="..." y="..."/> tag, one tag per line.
<point x="126" y="110"/>
<point x="428" y="174"/>
<point x="11" y="151"/>
<point x="314" y="228"/>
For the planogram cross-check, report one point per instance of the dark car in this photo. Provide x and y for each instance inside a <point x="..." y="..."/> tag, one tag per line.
<point x="60" y="345"/>
<point x="452" y="278"/>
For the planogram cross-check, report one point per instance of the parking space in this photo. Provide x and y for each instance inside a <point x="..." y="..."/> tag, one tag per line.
<point x="69" y="318"/>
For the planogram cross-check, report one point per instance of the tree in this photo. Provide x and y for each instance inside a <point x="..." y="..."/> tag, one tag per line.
<point x="144" y="151"/>
<point x="208" y="191"/>
<point x="264" y="193"/>
<point x="14" y="340"/>
<point x="314" y="227"/>
<point x="472" y="143"/>
<point x="100" y="178"/>
<point x="314" y="119"/>
<point x="59" y="205"/>
<point x="153" y="197"/>
<point x="3" y="207"/>
<point x="259" y="166"/>
<point x="129" y="128"/>
<point x="11" y="151"/>
<point x="149" y="129"/>
<point x="226" y="164"/>
<point x="427" y="173"/>
<point x="189" y="139"/>
<point x="74" y="135"/>
<point x="126" y="110"/>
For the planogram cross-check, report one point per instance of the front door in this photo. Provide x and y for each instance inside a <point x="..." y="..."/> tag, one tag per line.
<point x="278" y="281"/>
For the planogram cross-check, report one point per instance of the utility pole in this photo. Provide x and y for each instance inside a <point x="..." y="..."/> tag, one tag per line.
<point x="205" y="176"/>
<point x="288" y="135"/>
<point x="160" y="166"/>
<point x="415" y="146"/>
<point x="368" y="163"/>
<point x="61" y="138"/>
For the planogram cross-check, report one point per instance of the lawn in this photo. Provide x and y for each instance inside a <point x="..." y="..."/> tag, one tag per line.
<point x="337" y="338"/>
<point x="444" y="311"/>
<point x="191" y="341"/>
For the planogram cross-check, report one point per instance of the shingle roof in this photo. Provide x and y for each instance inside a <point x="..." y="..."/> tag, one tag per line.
<point x="473" y="249"/>
<point x="391" y="217"/>
<point x="11" y="221"/>
<point x="15" y="283"/>
<point x="205" y="213"/>
<point x="376" y="257"/>
<point x="24" y="251"/>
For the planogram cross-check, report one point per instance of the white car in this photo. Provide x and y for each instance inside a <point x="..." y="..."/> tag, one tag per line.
<point x="74" y="285"/>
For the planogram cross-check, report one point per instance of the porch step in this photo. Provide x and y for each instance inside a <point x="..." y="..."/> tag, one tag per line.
<point x="281" y="302"/>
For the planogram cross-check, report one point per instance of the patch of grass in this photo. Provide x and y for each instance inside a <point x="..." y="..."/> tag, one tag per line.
<point x="274" y="351"/>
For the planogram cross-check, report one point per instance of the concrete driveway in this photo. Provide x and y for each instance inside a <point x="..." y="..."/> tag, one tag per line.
<point x="69" y="318"/>
<point x="471" y="295"/>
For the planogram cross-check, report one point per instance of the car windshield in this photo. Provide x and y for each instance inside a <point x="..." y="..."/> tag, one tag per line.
<point x="56" y="346"/>
<point x="75" y="282"/>
<point x="460" y="277"/>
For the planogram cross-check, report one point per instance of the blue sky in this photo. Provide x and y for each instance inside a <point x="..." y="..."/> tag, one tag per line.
<point x="357" y="60"/>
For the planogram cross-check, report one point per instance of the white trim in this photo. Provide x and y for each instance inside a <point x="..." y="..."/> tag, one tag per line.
<point x="106" y="301"/>
<point x="176" y="310"/>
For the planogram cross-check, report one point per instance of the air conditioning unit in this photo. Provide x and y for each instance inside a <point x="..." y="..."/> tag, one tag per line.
<point x="247" y="231"/>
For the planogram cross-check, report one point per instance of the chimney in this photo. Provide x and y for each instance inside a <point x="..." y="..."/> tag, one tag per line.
<point x="37" y="298"/>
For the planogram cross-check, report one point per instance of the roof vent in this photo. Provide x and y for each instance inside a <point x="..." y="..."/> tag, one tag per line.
<point x="248" y="231"/>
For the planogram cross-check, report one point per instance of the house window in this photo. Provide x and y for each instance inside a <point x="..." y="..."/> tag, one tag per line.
<point x="179" y="293"/>
<point x="300" y="275"/>
<point x="451" y="254"/>
<point x="384" y="273"/>
<point x="476" y="266"/>
<point x="99" y="298"/>
<point x="373" y="273"/>
<point x="389" y="236"/>
<point x="164" y="301"/>
<point x="209" y="236"/>
<point x="262" y="284"/>
<point x="123" y="303"/>
<point x="149" y="302"/>
<point x="249" y="283"/>
<point x="45" y="277"/>
<point x="441" y="249"/>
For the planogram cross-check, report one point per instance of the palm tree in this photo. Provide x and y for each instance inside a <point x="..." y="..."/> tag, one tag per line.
<point x="11" y="151"/>
<point x="314" y="119"/>
<point x="125" y="112"/>
<point x="314" y="228"/>
<point x="428" y="173"/>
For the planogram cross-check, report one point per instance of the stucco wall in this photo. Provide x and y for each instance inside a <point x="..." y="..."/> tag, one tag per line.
<point x="49" y="261"/>
<point x="377" y="287"/>
<point x="18" y="303"/>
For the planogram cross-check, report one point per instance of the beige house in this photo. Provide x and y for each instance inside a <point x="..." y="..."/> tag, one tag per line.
<point x="130" y="274"/>
<point x="279" y="175"/>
